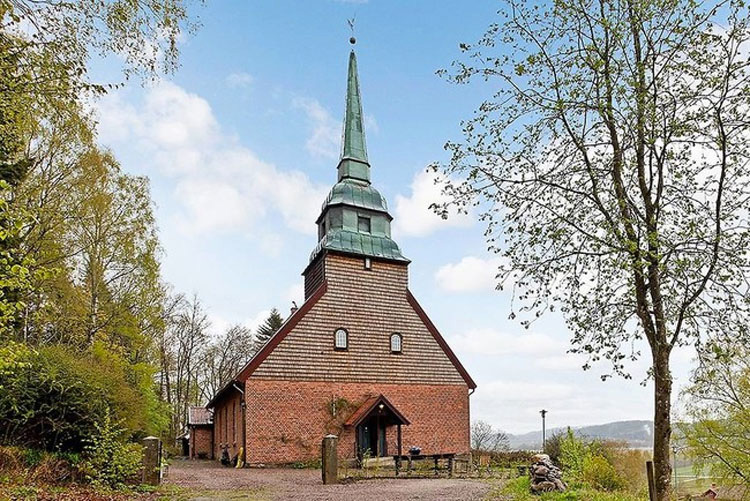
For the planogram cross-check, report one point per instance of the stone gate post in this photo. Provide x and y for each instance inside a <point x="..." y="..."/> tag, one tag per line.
<point x="330" y="459"/>
<point x="151" y="461"/>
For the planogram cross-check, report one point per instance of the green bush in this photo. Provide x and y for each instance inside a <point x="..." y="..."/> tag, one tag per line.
<point x="573" y="452"/>
<point x="600" y="465"/>
<point x="22" y="466"/>
<point x="51" y="397"/>
<point x="109" y="460"/>
<point x="599" y="473"/>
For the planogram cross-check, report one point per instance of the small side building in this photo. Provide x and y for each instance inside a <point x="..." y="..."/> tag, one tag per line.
<point x="200" y="433"/>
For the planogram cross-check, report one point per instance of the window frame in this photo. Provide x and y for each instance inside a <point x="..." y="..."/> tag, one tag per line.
<point x="336" y="347"/>
<point x="369" y="224"/>
<point x="400" y="343"/>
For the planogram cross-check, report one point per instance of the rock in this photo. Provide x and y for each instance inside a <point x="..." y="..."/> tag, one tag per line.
<point x="545" y="476"/>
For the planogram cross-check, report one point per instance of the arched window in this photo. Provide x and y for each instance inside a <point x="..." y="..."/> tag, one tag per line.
<point x="396" y="342"/>
<point x="341" y="339"/>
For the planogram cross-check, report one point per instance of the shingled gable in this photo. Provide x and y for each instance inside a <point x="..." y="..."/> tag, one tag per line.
<point x="294" y="319"/>
<point x="285" y="329"/>
<point x="443" y="344"/>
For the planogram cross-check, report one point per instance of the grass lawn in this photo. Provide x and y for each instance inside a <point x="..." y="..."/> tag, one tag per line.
<point x="518" y="490"/>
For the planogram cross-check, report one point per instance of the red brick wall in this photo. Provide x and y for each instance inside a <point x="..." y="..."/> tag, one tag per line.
<point x="287" y="419"/>
<point x="228" y="425"/>
<point x="200" y="441"/>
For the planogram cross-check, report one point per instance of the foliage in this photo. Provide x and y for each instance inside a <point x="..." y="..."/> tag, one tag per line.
<point x="56" y="40"/>
<point x="602" y="465"/>
<point x="52" y="397"/>
<point x="109" y="460"/>
<point x="518" y="490"/>
<point x="552" y="446"/>
<point x="24" y="466"/>
<point x="598" y="473"/>
<point x="485" y="438"/>
<point x="268" y="328"/>
<point x="224" y="357"/>
<point x="573" y="452"/>
<point x="717" y="433"/>
<point x="610" y="167"/>
<point x="511" y="459"/>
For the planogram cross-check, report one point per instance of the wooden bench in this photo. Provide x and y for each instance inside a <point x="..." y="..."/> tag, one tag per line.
<point x="410" y="458"/>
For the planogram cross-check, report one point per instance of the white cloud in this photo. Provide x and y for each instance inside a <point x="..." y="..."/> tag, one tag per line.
<point x="257" y="320"/>
<point x="413" y="216"/>
<point x="325" y="134"/>
<point x="239" y="80"/>
<point x="220" y="184"/>
<point x="295" y="293"/>
<point x="469" y="275"/>
<point x="371" y="125"/>
<point x="492" y="342"/>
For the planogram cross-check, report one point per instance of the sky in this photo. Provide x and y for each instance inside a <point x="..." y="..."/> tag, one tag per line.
<point x="241" y="146"/>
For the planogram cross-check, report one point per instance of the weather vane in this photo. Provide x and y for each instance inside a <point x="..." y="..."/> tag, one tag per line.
<point x="352" y="40"/>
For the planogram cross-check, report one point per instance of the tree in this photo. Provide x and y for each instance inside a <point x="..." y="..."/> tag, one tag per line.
<point x="55" y="41"/>
<point x="486" y="439"/>
<point x="183" y="349"/>
<point x="611" y="168"/>
<point x="224" y="358"/>
<point x="268" y="328"/>
<point x="717" y="424"/>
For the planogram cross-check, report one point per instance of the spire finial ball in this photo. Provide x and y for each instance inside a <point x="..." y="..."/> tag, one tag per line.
<point x="352" y="40"/>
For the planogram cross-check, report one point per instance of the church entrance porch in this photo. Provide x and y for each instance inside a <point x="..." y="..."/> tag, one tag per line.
<point x="371" y="422"/>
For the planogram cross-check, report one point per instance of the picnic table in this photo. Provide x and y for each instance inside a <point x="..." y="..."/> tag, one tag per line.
<point x="410" y="458"/>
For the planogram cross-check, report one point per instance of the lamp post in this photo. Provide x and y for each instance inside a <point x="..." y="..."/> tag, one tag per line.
<point x="543" y="412"/>
<point x="674" y="452"/>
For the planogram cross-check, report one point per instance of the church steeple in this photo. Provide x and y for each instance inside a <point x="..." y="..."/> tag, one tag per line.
<point x="353" y="163"/>
<point x="354" y="219"/>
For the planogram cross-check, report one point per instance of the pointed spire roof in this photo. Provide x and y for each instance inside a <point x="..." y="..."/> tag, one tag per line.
<point x="353" y="163"/>
<point x="354" y="218"/>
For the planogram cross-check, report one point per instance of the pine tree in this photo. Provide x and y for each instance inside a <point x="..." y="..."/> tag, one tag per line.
<point x="268" y="328"/>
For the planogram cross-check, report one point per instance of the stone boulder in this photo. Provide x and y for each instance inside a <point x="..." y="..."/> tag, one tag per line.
<point x="545" y="476"/>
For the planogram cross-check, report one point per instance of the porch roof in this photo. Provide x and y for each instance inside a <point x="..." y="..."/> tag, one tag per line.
<point x="373" y="404"/>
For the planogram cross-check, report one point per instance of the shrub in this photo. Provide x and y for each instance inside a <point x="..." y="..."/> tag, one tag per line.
<point x="110" y="461"/>
<point x="573" y="452"/>
<point x="507" y="459"/>
<point x="20" y="466"/>
<point x="51" y="397"/>
<point x="599" y="473"/>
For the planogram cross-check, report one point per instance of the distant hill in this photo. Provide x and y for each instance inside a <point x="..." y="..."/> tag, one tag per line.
<point x="635" y="433"/>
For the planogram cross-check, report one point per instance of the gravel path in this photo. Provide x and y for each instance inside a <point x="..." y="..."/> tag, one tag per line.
<point x="280" y="484"/>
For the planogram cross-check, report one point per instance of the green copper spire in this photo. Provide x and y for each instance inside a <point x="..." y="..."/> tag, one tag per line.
<point x="353" y="163"/>
<point x="354" y="219"/>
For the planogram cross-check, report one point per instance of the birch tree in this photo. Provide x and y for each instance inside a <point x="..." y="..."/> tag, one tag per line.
<point x="611" y="169"/>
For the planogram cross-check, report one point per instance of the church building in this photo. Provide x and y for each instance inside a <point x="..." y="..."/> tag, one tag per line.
<point x="360" y="358"/>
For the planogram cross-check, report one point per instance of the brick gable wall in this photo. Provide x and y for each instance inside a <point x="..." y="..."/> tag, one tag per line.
<point x="287" y="419"/>
<point x="289" y="394"/>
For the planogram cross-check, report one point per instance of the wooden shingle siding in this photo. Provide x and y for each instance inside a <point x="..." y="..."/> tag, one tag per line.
<point x="314" y="276"/>
<point x="370" y="305"/>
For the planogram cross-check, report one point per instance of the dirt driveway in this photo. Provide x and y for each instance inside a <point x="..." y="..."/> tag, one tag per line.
<point x="207" y="480"/>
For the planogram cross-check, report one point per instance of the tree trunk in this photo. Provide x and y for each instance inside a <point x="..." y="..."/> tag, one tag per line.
<point x="662" y="423"/>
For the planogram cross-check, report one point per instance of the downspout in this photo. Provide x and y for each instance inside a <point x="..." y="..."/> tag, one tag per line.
<point x="471" y="392"/>
<point x="244" y="424"/>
